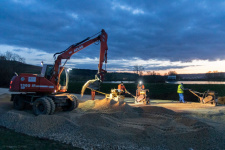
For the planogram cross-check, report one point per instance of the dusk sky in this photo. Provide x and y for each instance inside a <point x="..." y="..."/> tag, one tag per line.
<point x="187" y="36"/>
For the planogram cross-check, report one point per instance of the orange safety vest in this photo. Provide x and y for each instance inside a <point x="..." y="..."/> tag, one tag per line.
<point x="121" y="87"/>
<point x="142" y="87"/>
<point x="92" y="95"/>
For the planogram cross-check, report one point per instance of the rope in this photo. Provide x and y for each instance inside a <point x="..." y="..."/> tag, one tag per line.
<point x="130" y="94"/>
<point x="97" y="91"/>
<point x="106" y="93"/>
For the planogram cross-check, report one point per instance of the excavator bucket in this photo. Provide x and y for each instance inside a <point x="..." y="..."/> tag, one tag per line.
<point x="92" y="84"/>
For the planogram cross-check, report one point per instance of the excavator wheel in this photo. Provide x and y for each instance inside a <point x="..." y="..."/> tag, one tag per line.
<point x="72" y="103"/>
<point x="77" y="102"/>
<point x="52" y="104"/>
<point x="18" y="102"/>
<point x="41" y="106"/>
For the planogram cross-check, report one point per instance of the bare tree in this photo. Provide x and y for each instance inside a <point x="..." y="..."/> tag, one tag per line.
<point x="138" y="70"/>
<point x="214" y="75"/>
<point x="172" y="73"/>
<point x="9" y="56"/>
<point x="12" y="57"/>
<point x="2" y="57"/>
<point x="151" y="73"/>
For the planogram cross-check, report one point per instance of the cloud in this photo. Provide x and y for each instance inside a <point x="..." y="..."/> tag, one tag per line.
<point x="35" y="57"/>
<point x="176" y="31"/>
<point x="134" y="11"/>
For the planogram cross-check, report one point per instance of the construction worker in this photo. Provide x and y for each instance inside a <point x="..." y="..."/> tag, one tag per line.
<point x="140" y="85"/>
<point x="92" y="94"/>
<point x="180" y="91"/>
<point x="121" y="88"/>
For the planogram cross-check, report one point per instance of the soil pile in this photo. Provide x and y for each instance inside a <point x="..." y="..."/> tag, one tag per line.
<point x="107" y="124"/>
<point x="104" y="105"/>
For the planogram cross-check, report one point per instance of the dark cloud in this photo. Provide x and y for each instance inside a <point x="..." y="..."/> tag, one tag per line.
<point x="174" y="30"/>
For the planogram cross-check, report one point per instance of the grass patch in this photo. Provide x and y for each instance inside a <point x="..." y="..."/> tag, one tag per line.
<point x="156" y="90"/>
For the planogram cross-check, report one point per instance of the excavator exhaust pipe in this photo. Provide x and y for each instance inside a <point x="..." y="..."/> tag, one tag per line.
<point x="92" y="84"/>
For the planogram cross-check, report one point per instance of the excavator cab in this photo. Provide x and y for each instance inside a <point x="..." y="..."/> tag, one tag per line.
<point x="47" y="71"/>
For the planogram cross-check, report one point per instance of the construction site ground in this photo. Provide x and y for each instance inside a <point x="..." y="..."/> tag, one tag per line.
<point x="106" y="124"/>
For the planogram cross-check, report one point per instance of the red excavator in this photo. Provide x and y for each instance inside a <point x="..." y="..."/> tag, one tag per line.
<point x="45" y="91"/>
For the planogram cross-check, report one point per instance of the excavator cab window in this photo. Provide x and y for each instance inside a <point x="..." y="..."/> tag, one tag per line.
<point x="64" y="79"/>
<point x="48" y="72"/>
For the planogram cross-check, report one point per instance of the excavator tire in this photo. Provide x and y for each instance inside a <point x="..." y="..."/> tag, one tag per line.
<point x="75" y="99"/>
<point x="52" y="104"/>
<point x="72" y="103"/>
<point x="41" y="106"/>
<point x="18" y="102"/>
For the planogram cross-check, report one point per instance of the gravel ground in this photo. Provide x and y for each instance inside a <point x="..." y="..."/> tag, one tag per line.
<point x="106" y="124"/>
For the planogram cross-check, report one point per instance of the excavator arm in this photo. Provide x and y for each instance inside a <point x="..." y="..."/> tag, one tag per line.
<point x="66" y="54"/>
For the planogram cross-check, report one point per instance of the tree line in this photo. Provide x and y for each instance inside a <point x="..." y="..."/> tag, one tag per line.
<point x="12" y="57"/>
<point x="9" y="64"/>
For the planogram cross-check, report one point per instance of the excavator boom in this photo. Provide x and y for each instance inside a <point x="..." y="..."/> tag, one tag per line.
<point x="66" y="54"/>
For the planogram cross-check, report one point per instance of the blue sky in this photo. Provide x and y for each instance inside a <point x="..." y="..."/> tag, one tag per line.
<point x="186" y="35"/>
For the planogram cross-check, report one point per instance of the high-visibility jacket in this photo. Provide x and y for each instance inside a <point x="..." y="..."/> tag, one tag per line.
<point x="92" y="95"/>
<point x="121" y="87"/>
<point x="180" y="89"/>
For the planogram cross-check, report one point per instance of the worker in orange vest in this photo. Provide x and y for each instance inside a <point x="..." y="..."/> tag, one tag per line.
<point x="121" y="88"/>
<point x="140" y="87"/>
<point x="92" y="94"/>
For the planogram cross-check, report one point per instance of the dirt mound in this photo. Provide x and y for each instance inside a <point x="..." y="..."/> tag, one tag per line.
<point x="104" y="105"/>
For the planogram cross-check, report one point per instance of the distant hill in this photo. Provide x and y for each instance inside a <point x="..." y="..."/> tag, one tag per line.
<point x="199" y="76"/>
<point x="220" y="76"/>
<point x="8" y="69"/>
